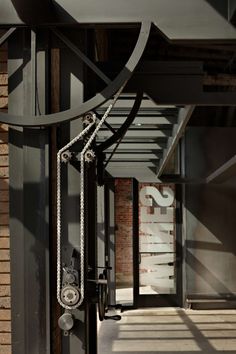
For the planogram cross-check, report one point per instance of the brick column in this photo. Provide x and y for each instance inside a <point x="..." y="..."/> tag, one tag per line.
<point x="123" y="232"/>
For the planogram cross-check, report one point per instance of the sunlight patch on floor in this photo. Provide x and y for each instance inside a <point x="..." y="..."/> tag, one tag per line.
<point x="170" y="330"/>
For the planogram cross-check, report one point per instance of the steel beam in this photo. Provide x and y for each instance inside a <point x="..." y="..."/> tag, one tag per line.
<point x="128" y="146"/>
<point x="6" y="36"/>
<point x="158" y="111"/>
<point x="177" y="20"/>
<point x="224" y="172"/>
<point x="178" y="130"/>
<point x="82" y="56"/>
<point x="135" y="156"/>
<point x="127" y="101"/>
<point x="162" y="81"/>
<point x="29" y="195"/>
<point x="138" y="133"/>
<point x="132" y="164"/>
<point x="115" y="121"/>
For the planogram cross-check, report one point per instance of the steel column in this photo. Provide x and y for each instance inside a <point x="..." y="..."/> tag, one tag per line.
<point x="135" y="213"/>
<point x="29" y="220"/>
<point x="83" y="337"/>
<point x="178" y="130"/>
<point x="110" y="237"/>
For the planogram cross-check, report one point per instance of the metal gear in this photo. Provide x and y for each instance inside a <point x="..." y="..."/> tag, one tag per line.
<point x="70" y="295"/>
<point x="70" y="278"/>
<point x="89" y="118"/>
<point x="89" y="156"/>
<point x="66" y="156"/>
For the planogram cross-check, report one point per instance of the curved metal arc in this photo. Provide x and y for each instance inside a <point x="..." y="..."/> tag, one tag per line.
<point x="125" y="126"/>
<point x="93" y="103"/>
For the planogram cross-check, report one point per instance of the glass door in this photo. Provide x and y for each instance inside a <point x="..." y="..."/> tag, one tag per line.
<point x="157" y="257"/>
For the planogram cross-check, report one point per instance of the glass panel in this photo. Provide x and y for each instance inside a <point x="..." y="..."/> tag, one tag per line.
<point x="157" y="246"/>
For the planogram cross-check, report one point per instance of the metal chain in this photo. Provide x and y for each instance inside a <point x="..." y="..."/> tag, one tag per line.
<point x="82" y="200"/>
<point x="59" y="267"/>
<point x="82" y="223"/>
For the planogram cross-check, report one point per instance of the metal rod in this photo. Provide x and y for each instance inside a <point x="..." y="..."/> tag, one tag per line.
<point x="82" y="56"/>
<point x="5" y="37"/>
<point x="224" y="172"/>
<point x="33" y="72"/>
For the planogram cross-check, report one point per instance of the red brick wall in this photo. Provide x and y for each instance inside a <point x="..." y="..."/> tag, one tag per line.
<point x="5" y="314"/>
<point x="123" y="231"/>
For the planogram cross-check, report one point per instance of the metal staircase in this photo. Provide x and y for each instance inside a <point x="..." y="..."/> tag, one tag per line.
<point x="149" y="143"/>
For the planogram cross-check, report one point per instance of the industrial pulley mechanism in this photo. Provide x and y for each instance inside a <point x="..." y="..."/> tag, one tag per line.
<point x="70" y="291"/>
<point x="71" y="279"/>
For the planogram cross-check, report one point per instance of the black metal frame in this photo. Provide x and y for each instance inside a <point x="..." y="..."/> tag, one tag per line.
<point x="135" y="192"/>
<point x="91" y="104"/>
<point x="29" y="191"/>
<point x="34" y="99"/>
<point x="30" y="214"/>
<point x="110" y="238"/>
<point x="6" y="36"/>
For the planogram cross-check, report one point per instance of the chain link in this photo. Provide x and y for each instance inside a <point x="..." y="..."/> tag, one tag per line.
<point x="59" y="267"/>
<point x="82" y="200"/>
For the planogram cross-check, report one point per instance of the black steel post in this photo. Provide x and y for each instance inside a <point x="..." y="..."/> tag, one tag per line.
<point x="110" y="238"/>
<point x="83" y="337"/>
<point x="91" y="257"/>
<point x="135" y="197"/>
<point x="29" y="202"/>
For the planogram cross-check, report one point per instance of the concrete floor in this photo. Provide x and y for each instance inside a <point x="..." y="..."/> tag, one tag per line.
<point x="169" y="331"/>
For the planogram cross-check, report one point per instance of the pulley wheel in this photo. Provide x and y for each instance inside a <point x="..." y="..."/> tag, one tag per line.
<point x="70" y="295"/>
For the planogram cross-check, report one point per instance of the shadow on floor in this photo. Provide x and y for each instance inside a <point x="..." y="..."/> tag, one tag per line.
<point x="169" y="331"/>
